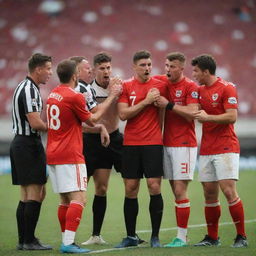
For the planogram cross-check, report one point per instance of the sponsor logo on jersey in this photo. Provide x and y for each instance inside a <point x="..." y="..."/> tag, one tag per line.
<point x="178" y="93"/>
<point x="215" y="96"/>
<point x="194" y="95"/>
<point x="33" y="102"/>
<point x="232" y="100"/>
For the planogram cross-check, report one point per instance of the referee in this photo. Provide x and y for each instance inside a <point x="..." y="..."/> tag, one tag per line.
<point x="27" y="154"/>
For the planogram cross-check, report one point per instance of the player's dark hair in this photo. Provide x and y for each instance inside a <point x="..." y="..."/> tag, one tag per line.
<point x="141" y="55"/>
<point x="101" y="57"/>
<point x="204" y="62"/>
<point x="176" y="56"/>
<point x="65" y="70"/>
<point x="78" y="59"/>
<point x="37" y="60"/>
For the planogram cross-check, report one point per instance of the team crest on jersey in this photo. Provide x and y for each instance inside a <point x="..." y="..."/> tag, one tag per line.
<point x="178" y="93"/>
<point x="232" y="100"/>
<point x="33" y="102"/>
<point x="194" y="95"/>
<point x="215" y="96"/>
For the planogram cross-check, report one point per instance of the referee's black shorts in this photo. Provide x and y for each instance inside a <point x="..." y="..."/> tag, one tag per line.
<point x="99" y="157"/>
<point x="28" y="160"/>
<point x="142" y="161"/>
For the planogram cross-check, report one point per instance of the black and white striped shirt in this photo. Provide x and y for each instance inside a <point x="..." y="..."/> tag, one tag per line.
<point x="26" y="99"/>
<point x="100" y="93"/>
<point x="89" y="93"/>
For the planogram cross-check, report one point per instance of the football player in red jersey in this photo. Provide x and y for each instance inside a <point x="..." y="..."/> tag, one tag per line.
<point x="219" y="152"/>
<point x="180" y="145"/>
<point x="142" y="152"/>
<point x="65" y="113"/>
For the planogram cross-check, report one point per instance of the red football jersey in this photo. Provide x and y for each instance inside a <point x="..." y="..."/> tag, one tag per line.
<point x="215" y="99"/>
<point x="178" y="132"/>
<point x="144" y="128"/>
<point x="65" y="114"/>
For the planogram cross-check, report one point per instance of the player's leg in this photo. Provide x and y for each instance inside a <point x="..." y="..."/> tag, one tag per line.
<point x="131" y="173"/>
<point x="101" y="181"/>
<point x="98" y="167"/>
<point x="155" y="208"/>
<point x="182" y="212"/>
<point x="131" y="209"/>
<point x="212" y="210"/>
<point x="71" y="183"/>
<point x="179" y="165"/>
<point x="153" y="170"/>
<point x="228" y="166"/>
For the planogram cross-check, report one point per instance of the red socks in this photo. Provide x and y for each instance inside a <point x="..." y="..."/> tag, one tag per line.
<point x="212" y="214"/>
<point x="62" y="211"/>
<point x="237" y="212"/>
<point x="73" y="216"/>
<point x="182" y="209"/>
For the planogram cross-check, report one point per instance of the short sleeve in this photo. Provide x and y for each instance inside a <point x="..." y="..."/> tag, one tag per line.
<point x="80" y="108"/>
<point x="123" y="97"/>
<point x="192" y="96"/>
<point x="230" y="99"/>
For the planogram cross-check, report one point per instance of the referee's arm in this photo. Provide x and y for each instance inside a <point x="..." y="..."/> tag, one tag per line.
<point x="36" y="122"/>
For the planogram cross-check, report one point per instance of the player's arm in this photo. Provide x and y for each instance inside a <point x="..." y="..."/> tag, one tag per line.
<point x="184" y="111"/>
<point x="36" y="122"/>
<point x="98" y="128"/>
<point x="161" y="114"/>
<point x="127" y="112"/>
<point x="229" y="117"/>
<point x="115" y="88"/>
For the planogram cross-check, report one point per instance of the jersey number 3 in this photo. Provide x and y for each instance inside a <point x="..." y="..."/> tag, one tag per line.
<point x="53" y="113"/>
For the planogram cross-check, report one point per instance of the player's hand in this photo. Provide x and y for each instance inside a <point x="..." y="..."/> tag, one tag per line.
<point x="104" y="136"/>
<point x="115" y="86"/>
<point x="201" y="116"/>
<point x="152" y="96"/>
<point x="161" y="102"/>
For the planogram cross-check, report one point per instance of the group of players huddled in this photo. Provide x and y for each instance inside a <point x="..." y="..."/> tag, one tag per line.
<point x="159" y="140"/>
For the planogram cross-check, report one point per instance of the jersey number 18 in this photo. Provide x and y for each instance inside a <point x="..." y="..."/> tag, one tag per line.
<point x="53" y="113"/>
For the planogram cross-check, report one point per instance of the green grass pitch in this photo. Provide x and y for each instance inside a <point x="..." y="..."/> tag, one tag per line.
<point x="114" y="230"/>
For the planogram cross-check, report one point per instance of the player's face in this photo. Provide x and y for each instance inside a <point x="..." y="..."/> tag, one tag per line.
<point x="142" y="69"/>
<point x="44" y="72"/>
<point x="174" y="70"/>
<point x="102" y="73"/>
<point x="199" y="75"/>
<point x="85" y="71"/>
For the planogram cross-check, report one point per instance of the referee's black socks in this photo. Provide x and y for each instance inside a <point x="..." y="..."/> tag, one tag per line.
<point x="31" y="215"/>
<point x="20" y="221"/>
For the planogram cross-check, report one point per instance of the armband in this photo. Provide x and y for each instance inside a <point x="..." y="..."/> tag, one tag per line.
<point x="169" y="106"/>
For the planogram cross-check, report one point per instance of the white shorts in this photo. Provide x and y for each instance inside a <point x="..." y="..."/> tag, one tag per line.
<point x="218" y="167"/>
<point x="68" y="177"/>
<point x="179" y="163"/>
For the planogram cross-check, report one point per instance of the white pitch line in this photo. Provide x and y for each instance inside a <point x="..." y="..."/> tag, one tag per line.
<point x="163" y="229"/>
<point x="194" y="226"/>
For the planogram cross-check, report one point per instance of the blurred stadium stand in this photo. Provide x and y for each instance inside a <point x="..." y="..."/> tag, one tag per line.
<point x="64" y="28"/>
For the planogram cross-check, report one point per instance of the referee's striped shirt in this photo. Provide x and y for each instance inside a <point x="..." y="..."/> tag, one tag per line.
<point x="90" y="94"/>
<point x="26" y="99"/>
